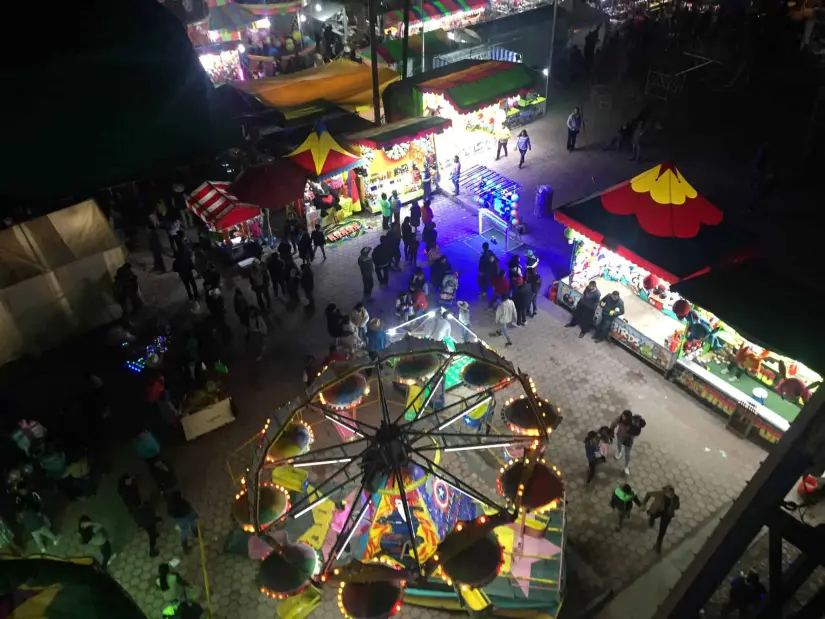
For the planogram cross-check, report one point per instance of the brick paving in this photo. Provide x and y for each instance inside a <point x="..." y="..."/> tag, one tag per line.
<point x="684" y="443"/>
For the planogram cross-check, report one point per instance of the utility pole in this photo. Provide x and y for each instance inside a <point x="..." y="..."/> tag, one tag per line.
<point x="406" y="48"/>
<point x="552" y="43"/>
<point x="373" y="19"/>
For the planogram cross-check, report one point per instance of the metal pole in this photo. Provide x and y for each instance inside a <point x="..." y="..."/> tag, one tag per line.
<point x="376" y="103"/>
<point x="406" y="46"/>
<point x="552" y="41"/>
<point x="423" y="54"/>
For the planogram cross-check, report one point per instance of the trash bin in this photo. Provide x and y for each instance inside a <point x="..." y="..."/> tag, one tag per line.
<point x="544" y="201"/>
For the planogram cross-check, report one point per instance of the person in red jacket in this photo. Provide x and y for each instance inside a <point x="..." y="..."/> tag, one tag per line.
<point x="501" y="287"/>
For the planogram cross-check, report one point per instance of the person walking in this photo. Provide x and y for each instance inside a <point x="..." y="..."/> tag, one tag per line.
<point x="406" y="236"/>
<point x="146" y="519"/>
<point x="146" y="445"/>
<point x="574" y="125"/>
<point x="585" y="309"/>
<point x="415" y="214"/>
<point x="503" y="138"/>
<point x="455" y="174"/>
<point x="36" y="525"/>
<point x="501" y="287"/>
<point x="305" y="248"/>
<point x="628" y="427"/>
<point x="129" y="493"/>
<point x="366" y="266"/>
<point x="334" y="319"/>
<point x="319" y="241"/>
<point x="259" y="280"/>
<point x="94" y="534"/>
<point x="505" y="315"/>
<point x="242" y="310"/>
<point x="592" y="450"/>
<point x="308" y="285"/>
<point x="612" y="307"/>
<point x="523" y="144"/>
<point x="172" y="586"/>
<point x="183" y="266"/>
<point x="217" y="309"/>
<point x="381" y="257"/>
<point x="257" y="332"/>
<point x="386" y="212"/>
<point x="427" y="215"/>
<point x="292" y="232"/>
<point x="636" y="142"/>
<point x="359" y="316"/>
<point x="534" y="281"/>
<point x="663" y="506"/>
<point x="184" y="516"/>
<point x="622" y="502"/>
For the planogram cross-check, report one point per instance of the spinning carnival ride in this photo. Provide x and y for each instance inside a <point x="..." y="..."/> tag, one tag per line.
<point x="376" y="503"/>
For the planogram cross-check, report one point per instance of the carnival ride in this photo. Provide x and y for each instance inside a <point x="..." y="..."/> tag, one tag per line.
<point x="384" y="502"/>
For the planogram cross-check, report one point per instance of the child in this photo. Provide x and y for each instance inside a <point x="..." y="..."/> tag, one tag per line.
<point x="404" y="307"/>
<point x="319" y="239"/>
<point x="593" y="453"/>
<point x="622" y="501"/>
<point x="464" y="319"/>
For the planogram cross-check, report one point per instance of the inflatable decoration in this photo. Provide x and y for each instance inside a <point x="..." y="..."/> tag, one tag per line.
<point x="273" y="502"/>
<point x="288" y="570"/>
<point x="347" y="393"/>
<point x="480" y="375"/>
<point x="413" y="368"/>
<point x="539" y="492"/>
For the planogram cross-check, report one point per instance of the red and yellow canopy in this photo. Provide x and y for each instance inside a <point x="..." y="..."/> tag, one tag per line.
<point x="322" y="156"/>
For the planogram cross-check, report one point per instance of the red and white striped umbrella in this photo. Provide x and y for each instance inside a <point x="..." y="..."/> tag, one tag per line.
<point x="213" y="203"/>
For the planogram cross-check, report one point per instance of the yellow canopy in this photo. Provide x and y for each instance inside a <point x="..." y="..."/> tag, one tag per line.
<point x="342" y="82"/>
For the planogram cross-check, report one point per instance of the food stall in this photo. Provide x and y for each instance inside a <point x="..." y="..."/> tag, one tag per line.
<point x="472" y="94"/>
<point x="232" y="223"/>
<point x="649" y="238"/>
<point x="396" y="154"/>
<point x="434" y="14"/>
<point x="333" y="191"/>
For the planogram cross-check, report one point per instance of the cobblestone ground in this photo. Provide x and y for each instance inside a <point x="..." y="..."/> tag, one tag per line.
<point x="684" y="443"/>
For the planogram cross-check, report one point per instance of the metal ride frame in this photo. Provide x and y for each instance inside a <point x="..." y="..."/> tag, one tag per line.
<point x="512" y="237"/>
<point x="762" y="503"/>
<point x="370" y="449"/>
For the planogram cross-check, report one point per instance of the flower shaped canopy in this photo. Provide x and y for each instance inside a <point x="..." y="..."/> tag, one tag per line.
<point x="664" y="203"/>
<point x="321" y="155"/>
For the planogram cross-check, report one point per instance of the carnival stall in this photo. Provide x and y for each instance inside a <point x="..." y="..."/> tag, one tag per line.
<point x="427" y="45"/>
<point x="433" y="15"/>
<point x="396" y="156"/>
<point x="333" y="191"/>
<point x="232" y="223"/>
<point x="640" y="238"/>
<point x="471" y="93"/>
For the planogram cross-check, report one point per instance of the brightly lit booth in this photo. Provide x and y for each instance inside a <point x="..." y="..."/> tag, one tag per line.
<point x="395" y="156"/>
<point x="473" y="94"/>
<point x="431" y="15"/>
<point x="640" y="238"/>
<point x="421" y="49"/>
<point x="333" y="191"/>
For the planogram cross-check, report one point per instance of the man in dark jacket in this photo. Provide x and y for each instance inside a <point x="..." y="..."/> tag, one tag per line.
<point x="277" y="273"/>
<point x="663" y="506"/>
<point x="366" y="266"/>
<point x="381" y="256"/>
<point x="534" y="281"/>
<point x="484" y="272"/>
<point x="183" y="267"/>
<point x="612" y="307"/>
<point x="308" y="284"/>
<point x="521" y="297"/>
<point x="585" y="309"/>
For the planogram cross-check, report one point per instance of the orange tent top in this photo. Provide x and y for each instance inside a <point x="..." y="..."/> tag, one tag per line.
<point x="322" y="156"/>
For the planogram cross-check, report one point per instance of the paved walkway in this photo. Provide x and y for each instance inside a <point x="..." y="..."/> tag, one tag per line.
<point x="684" y="443"/>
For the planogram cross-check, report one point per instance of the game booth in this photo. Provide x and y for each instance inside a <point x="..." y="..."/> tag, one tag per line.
<point x="433" y="15"/>
<point x="333" y="191"/>
<point x="233" y="224"/>
<point x="355" y="486"/>
<point x="473" y="94"/>
<point x="648" y="238"/>
<point x="395" y="156"/>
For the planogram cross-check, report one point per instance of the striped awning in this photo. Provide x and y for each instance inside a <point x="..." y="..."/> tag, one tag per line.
<point x="228" y="16"/>
<point x="264" y="8"/>
<point x="218" y="208"/>
<point x="432" y="9"/>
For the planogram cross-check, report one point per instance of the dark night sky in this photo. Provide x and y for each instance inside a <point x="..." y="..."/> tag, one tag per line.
<point x="116" y="92"/>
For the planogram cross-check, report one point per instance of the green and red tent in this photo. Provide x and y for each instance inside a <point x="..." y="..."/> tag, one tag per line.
<point x="432" y="9"/>
<point x="399" y="132"/>
<point x="658" y="221"/>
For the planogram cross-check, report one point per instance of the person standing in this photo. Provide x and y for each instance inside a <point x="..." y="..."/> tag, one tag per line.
<point x="585" y="309"/>
<point x="172" y="586"/>
<point x="146" y="519"/>
<point x="259" y="280"/>
<point x="376" y="338"/>
<point x="574" y="125"/>
<point x="395" y="202"/>
<point x="464" y="319"/>
<point x="242" y="310"/>
<point x="415" y="214"/>
<point x="184" y="516"/>
<point x="622" y="502"/>
<point x="381" y="256"/>
<point x="429" y="235"/>
<point x="612" y="307"/>
<point x="503" y="138"/>
<point x="308" y="285"/>
<point x="501" y="287"/>
<point x="277" y="273"/>
<point x="534" y="281"/>
<point x="292" y="232"/>
<point x="592" y="450"/>
<point x="359" y="316"/>
<point x="745" y="593"/>
<point x="157" y="250"/>
<point x="406" y="236"/>
<point x="619" y="428"/>
<point x="663" y="506"/>
<point x="394" y="243"/>
<point x="505" y="315"/>
<point x="319" y="241"/>
<point x="217" y="309"/>
<point x="621" y="138"/>
<point x="426" y="182"/>
<point x="386" y="212"/>
<point x="129" y="493"/>
<point x="94" y="534"/>
<point x="183" y="266"/>
<point x="36" y="525"/>
<point x="305" y="252"/>
<point x="521" y="298"/>
<point x="523" y="144"/>
<point x="293" y="284"/>
<point x="366" y="266"/>
<point x="636" y="142"/>
<point x="455" y="174"/>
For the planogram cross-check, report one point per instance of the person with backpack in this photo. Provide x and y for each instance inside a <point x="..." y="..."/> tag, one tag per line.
<point x="534" y="281"/>
<point x="622" y="502"/>
<point x="627" y="427"/>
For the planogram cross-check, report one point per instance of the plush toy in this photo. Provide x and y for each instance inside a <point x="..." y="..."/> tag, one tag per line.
<point x="700" y="330"/>
<point x="749" y="360"/>
<point x="682" y="308"/>
<point x="793" y="388"/>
